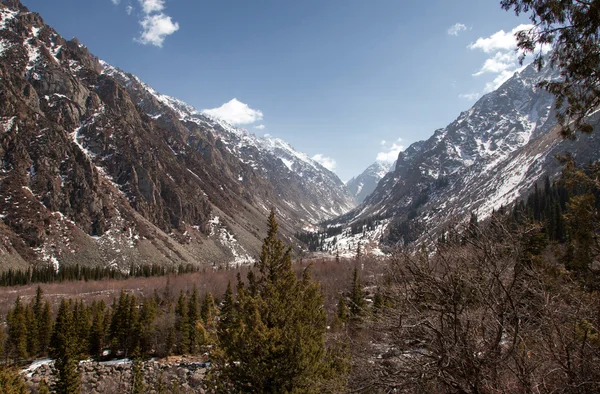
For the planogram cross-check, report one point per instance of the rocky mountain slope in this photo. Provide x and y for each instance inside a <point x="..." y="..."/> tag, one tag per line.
<point x="490" y="155"/>
<point x="361" y="186"/>
<point x="305" y="186"/>
<point x="103" y="171"/>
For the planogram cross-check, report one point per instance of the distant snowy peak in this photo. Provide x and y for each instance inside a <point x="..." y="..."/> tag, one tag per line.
<point x="362" y="185"/>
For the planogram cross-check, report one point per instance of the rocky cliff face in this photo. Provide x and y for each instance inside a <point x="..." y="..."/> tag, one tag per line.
<point x="97" y="169"/>
<point x="307" y="190"/>
<point x="489" y="156"/>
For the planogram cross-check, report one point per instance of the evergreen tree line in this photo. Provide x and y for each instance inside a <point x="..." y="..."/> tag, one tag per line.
<point x="48" y="273"/>
<point x="267" y="336"/>
<point x="156" y="326"/>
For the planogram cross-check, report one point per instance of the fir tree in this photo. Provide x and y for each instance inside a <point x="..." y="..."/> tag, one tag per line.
<point x="273" y="340"/>
<point x="11" y="382"/>
<point x="193" y="321"/>
<point x="137" y="374"/>
<point x="100" y="321"/>
<point x="357" y="295"/>
<point x="17" y="331"/>
<point x="147" y="326"/>
<point x="342" y="309"/>
<point x="182" y="325"/>
<point x="65" y="350"/>
<point x="208" y="311"/>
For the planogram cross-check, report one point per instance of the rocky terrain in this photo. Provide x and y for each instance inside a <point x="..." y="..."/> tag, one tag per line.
<point x="174" y="375"/>
<point x="489" y="156"/>
<point x="99" y="169"/>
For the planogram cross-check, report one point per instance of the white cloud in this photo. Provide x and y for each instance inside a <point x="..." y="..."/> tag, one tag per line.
<point x="455" y="29"/>
<point x="499" y="41"/>
<point x="116" y="2"/>
<point x="156" y="28"/>
<point x="390" y="155"/>
<point x="325" y="161"/>
<point x="469" y="96"/>
<point x="498" y="81"/>
<point x="499" y="63"/>
<point x="260" y="127"/>
<point x="150" y="6"/>
<point x="235" y="112"/>
<point x="503" y="59"/>
<point x="129" y="9"/>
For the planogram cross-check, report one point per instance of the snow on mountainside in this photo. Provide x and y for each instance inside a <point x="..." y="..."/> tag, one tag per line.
<point x="362" y="185"/>
<point x="490" y="155"/>
<point x="310" y="190"/>
<point x="99" y="169"/>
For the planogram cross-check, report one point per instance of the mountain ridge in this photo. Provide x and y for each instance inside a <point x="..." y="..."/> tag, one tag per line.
<point x="92" y="175"/>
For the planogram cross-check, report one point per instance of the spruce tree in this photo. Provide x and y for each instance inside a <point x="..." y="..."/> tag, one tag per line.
<point x="98" y="329"/>
<point x="182" y="325"/>
<point x="342" y="310"/>
<point x="64" y="351"/>
<point x="44" y="328"/>
<point x="208" y="311"/>
<point x="194" y="334"/>
<point x="272" y="339"/>
<point x="17" y="331"/>
<point x="357" y="295"/>
<point x="147" y="324"/>
<point x="11" y="382"/>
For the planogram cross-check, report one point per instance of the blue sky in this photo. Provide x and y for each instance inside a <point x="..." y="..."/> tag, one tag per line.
<point x="348" y="80"/>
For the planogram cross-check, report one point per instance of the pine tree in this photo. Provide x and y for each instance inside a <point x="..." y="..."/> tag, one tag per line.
<point x="137" y="374"/>
<point x="65" y="350"/>
<point x="182" y="325"/>
<point x="273" y="340"/>
<point x="81" y="323"/>
<point x="147" y="323"/>
<point x="342" y="310"/>
<point x="32" y="331"/>
<point x="44" y="328"/>
<point x="17" y="331"/>
<point x="357" y="295"/>
<point x="11" y="382"/>
<point x="193" y="321"/>
<point x="98" y="329"/>
<point x="208" y="312"/>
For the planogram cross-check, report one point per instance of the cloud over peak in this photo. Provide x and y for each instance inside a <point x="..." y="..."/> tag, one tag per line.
<point x="391" y="152"/>
<point x="236" y="112"/>
<point x="503" y="57"/>
<point x="325" y="161"/>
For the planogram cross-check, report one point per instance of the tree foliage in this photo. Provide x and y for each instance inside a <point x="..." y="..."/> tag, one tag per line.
<point x="272" y="337"/>
<point x="571" y="28"/>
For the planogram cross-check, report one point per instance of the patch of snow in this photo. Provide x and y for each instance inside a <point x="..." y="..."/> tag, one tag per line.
<point x="30" y="370"/>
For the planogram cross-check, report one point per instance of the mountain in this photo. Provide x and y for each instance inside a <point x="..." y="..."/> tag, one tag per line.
<point x="99" y="169"/>
<point x="489" y="156"/>
<point x="362" y="185"/>
<point x="305" y="186"/>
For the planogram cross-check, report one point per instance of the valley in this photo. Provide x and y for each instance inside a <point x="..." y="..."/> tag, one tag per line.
<point x="148" y="245"/>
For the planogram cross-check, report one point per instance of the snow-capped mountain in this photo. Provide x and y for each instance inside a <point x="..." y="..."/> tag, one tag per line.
<point x="98" y="168"/>
<point x="489" y="156"/>
<point x="362" y="185"/>
<point x="308" y="189"/>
